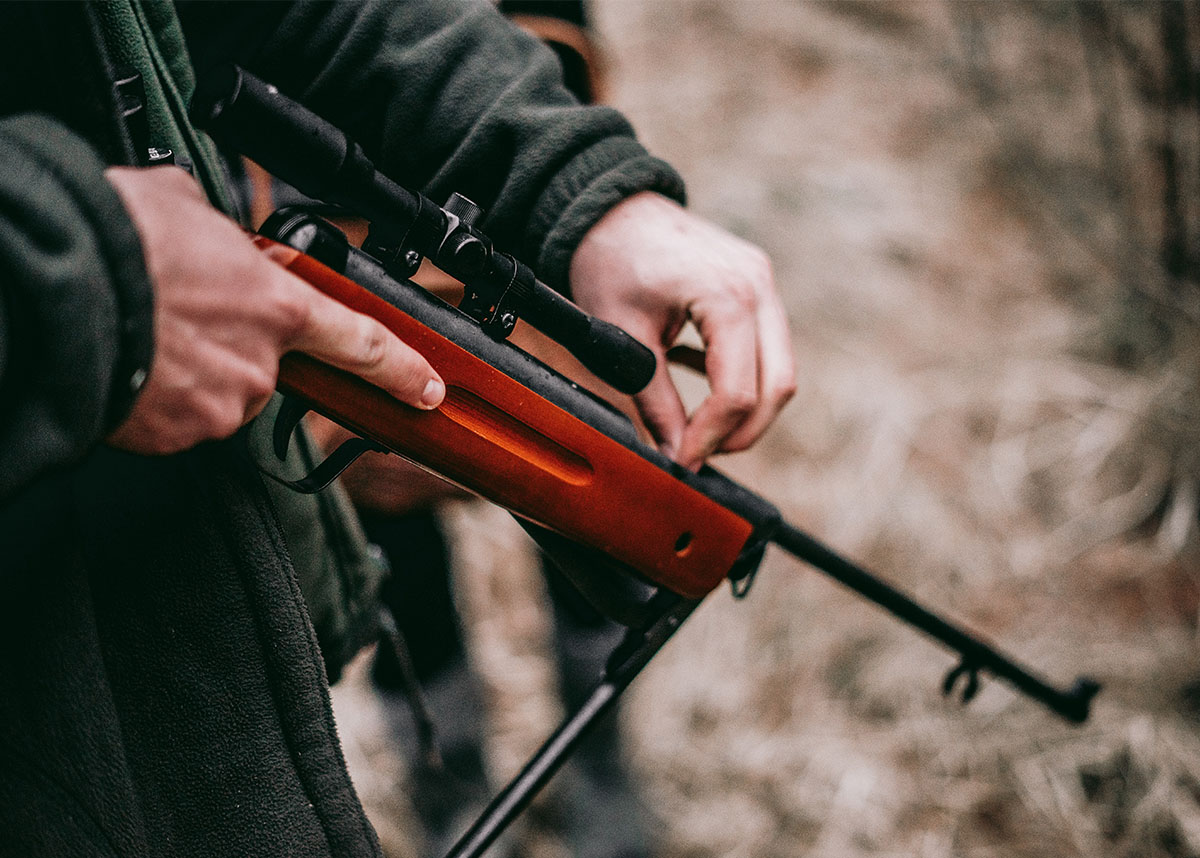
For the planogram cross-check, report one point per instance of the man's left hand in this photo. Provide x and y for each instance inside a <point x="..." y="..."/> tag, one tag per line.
<point x="650" y="266"/>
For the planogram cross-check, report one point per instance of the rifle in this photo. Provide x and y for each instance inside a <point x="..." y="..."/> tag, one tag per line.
<point x="570" y="466"/>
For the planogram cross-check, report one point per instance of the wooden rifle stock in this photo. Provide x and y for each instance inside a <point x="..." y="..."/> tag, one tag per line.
<point x="519" y="434"/>
<point x="510" y="444"/>
<point x="511" y="429"/>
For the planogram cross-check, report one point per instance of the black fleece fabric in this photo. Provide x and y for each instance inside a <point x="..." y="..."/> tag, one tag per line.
<point x="161" y="693"/>
<point x="75" y="320"/>
<point x="447" y="96"/>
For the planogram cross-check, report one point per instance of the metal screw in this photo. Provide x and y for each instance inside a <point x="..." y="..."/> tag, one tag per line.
<point x="412" y="259"/>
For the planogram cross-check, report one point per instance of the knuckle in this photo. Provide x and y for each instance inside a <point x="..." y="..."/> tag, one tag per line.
<point x="373" y="345"/>
<point x="293" y="315"/>
<point x="741" y="297"/>
<point x="206" y="417"/>
<point x="737" y="403"/>
<point x="785" y="389"/>
<point x="260" y="383"/>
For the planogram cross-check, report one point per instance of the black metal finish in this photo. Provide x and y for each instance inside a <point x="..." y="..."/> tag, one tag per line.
<point x="1073" y="703"/>
<point x="977" y="656"/>
<point x="318" y="159"/>
<point x="640" y="646"/>
<point x="291" y="412"/>
<point x="288" y="418"/>
<point x="330" y="467"/>
<point x="627" y="662"/>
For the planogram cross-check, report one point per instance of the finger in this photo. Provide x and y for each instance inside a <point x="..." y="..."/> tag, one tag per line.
<point x="658" y="403"/>
<point x="776" y="375"/>
<point x="662" y="411"/>
<point x="731" y="338"/>
<point x="361" y="345"/>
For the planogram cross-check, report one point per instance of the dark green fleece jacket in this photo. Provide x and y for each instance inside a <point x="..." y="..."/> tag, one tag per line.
<point x="161" y="692"/>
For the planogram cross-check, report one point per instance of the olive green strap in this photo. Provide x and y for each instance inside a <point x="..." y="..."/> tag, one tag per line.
<point x="147" y="37"/>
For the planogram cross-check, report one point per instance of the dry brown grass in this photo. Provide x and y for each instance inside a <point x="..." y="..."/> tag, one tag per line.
<point x="999" y="409"/>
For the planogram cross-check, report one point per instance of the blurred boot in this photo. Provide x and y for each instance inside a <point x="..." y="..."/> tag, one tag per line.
<point x="447" y="795"/>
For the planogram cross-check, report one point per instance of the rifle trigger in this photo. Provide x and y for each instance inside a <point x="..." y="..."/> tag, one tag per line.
<point x="970" y="686"/>
<point x="290" y="413"/>
<point x="333" y="465"/>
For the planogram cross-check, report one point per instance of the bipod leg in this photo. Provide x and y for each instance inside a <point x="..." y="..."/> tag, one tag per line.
<point x="627" y="661"/>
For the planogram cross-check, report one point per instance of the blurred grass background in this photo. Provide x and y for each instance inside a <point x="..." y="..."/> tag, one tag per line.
<point x="985" y="223"/>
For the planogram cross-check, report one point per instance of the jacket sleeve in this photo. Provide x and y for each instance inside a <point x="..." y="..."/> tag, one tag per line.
<point x="448" y="95"/>
<point x="76" y="317"/>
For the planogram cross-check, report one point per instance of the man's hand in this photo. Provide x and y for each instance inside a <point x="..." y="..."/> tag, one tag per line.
<point x="224" y="315"/>
<point x="650" y="266"/>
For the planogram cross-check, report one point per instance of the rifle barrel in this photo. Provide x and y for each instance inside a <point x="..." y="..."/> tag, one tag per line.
<point x="1073" y="703"/>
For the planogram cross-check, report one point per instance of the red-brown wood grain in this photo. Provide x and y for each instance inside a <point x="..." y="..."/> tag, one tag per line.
<point x="495" y="437"/>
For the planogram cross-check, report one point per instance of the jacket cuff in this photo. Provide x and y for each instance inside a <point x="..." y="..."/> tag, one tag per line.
<point x="591" y="183"/>
<point x="79" y="174"/>
<point x="78" y="298"/>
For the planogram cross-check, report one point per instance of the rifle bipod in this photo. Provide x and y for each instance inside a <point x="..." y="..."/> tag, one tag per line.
<point x="626" y="662"/>
<point x="670" y="611"/>
<point x="518" y="433"/>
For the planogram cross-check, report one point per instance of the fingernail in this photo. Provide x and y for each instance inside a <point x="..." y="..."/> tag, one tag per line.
<point x="433" y="394"/>
<point x="667" y="449"/>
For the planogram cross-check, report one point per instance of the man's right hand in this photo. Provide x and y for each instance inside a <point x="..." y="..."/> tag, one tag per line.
<point x="224" y="315"/>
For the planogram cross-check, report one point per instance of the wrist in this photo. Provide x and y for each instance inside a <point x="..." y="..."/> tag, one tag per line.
<point x="574" y="207"/>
